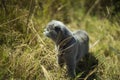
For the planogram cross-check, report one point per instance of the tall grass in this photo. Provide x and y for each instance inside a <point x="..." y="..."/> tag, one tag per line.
<point x="26" y="54"/>
<point x="33" y="57"/>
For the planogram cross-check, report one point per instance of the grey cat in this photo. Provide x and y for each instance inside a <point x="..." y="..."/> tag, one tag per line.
<point x="71" y="46"/>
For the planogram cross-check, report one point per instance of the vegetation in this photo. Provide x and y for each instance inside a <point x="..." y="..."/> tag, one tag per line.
<point x="26" y="54"/>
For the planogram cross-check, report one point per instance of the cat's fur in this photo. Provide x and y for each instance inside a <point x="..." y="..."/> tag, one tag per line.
<point x="71" y="46"/>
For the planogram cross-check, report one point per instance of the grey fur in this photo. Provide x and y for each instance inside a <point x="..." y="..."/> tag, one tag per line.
<point x="73" y="50"/>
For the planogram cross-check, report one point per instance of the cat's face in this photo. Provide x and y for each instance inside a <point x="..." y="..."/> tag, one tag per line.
<point x="54" y="29"/>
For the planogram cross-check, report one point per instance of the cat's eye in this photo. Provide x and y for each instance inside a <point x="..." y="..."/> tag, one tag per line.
<point x="57" y="29"/>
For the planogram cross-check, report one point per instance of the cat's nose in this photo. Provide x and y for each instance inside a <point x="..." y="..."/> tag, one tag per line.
<point x="45" y="32"/>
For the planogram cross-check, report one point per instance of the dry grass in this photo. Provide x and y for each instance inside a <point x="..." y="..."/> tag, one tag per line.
<point x="32" y="56"/>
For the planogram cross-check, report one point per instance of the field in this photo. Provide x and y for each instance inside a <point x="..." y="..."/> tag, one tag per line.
<point x="26" y="54"/>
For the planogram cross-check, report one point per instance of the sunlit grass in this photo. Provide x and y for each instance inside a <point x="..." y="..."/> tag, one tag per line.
<point x="31" y="55"/>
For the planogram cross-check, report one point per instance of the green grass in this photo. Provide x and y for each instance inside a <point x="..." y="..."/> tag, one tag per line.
<point x="31" y="56"/>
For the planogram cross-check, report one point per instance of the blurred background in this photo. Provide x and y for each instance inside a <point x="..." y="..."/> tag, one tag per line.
<point x="26" y="54"/>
